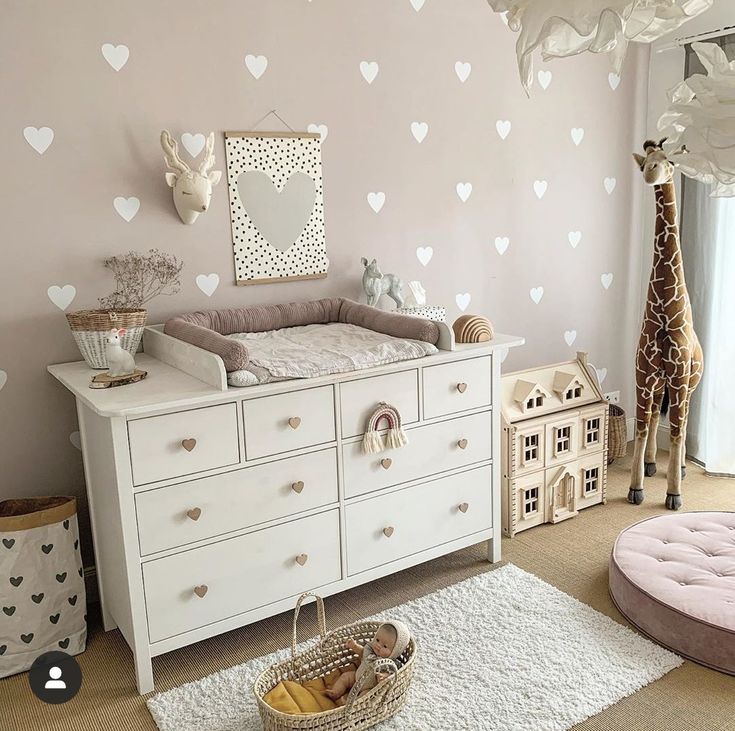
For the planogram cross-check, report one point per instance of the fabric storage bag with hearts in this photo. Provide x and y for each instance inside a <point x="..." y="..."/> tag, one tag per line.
<point x="43" y="605"/>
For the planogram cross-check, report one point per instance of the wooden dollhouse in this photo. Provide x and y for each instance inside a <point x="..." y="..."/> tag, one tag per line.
<point x="554" y="444"/>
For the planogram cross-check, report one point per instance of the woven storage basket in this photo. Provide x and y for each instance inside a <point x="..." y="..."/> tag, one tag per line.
<point x="330" y="653"/>
<point x="90" y="328"/>
<point x="617" y="434"/>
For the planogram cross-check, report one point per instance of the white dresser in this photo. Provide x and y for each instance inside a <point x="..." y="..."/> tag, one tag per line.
<point x="213" y="508"/>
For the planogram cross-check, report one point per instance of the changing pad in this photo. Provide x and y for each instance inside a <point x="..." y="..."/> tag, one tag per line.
<point x="308" y="351"/>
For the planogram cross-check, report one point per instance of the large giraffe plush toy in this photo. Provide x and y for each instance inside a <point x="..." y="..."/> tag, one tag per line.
<point x="669" y="357"/>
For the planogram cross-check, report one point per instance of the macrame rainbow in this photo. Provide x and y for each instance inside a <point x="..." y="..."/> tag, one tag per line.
<point x="372" y="442"/>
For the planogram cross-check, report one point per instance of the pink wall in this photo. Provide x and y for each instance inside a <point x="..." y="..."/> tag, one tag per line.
<point x="186" y="72"/>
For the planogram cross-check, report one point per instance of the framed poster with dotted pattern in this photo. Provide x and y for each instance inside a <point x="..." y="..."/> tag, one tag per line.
<point x="276" y="206"/>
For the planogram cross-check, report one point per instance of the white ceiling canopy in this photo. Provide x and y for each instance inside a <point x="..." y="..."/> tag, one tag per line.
<point x="567" y="27"/>
<point x="702" y="119"/>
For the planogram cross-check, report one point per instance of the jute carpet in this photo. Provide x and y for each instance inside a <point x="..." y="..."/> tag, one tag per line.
<point x="572" y="556"/>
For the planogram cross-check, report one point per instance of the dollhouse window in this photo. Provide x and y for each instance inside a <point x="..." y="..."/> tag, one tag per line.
<point x="539" y="400"/>
<point x="570" y="394"/>
<point x="530" y="448"/>
<point x="591" y="480"/>
<point x="563" y="439"/>
<point x="592" y="435"/>
<point x="530" y="501"/>
<point x="578" y="392"/>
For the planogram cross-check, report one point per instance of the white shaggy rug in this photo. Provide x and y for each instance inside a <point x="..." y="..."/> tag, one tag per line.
<point x="501" y="651"/>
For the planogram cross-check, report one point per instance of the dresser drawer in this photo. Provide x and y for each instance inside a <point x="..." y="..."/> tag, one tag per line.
<point x="390" y="527"/>
<point x="193" y="511"/>
<point x="430" y="449"/>
<point x="275" y="424"/>
<point x="183" y="443"/>
<point x="359" y="399"/>
<point x="459" y="386"/>
<point x="240" y="574"/>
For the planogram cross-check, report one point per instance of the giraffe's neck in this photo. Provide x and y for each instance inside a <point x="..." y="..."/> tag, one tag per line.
<point x="668" y="270"/>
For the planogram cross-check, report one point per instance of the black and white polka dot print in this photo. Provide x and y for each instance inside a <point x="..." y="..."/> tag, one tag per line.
<point x="279" y="158"/>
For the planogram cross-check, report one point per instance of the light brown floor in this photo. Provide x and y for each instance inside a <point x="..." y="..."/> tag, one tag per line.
<point x="572" y="556"/>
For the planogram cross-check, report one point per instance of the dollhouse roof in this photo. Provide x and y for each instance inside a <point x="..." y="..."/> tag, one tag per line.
<point x="553" y="381"/>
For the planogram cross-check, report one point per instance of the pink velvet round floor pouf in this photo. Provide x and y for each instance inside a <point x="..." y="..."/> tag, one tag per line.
<point x="673" y="578"/>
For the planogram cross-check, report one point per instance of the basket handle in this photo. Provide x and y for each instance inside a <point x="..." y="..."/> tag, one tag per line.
<point x="382" y="664"/>
<point x="321" y="618"/>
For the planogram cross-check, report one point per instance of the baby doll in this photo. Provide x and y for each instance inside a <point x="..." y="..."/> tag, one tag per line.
<point x="390" y="641"/>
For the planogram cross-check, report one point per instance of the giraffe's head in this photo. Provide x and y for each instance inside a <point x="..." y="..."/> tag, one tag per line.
<point x="655" y="165"/>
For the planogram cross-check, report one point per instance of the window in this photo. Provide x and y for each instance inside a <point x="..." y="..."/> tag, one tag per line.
<point x="570" y="394"/>
<point x="539" y="400"/>
<point x="592" y="431"/>
<point x="530" y="448"/>
<point x="591" y="480"/>
<point x="529" y="403"/>
<point x="563" y="439"/>
<point x="530" y="501"/>
<point x="577" y="392"/>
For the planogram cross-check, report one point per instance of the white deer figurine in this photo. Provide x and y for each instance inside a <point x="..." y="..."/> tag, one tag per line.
<point x="376" y="284"/>
<point x="192" y="188"/>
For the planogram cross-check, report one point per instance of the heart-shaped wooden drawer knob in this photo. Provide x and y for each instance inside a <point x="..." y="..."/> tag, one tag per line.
<point x="298" y="486"/>
<point x="462" y="443"/>
<point x="188" y="444"/>
<point x="301" y="559"/>
<point x="388" y="532"/>
<point x="201" y="591"/>
<point x="463" y="507"/>
<point x="461" y="387"/>
<point x="386" y="463"/>
<point x="294" y="422"/>
<point x="194" y="513"/>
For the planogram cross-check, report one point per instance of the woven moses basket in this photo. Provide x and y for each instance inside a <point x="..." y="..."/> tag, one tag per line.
<point x="90" y="328"/>
<point x="330" y="653"/>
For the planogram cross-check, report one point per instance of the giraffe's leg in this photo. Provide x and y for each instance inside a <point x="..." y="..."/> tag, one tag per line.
<point x="643" y="417"/>
<point x="677" y="419"/>
<point x="649" y="460"/>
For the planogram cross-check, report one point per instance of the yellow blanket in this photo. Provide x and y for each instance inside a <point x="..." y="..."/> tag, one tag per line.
<point x="299" y="698"/>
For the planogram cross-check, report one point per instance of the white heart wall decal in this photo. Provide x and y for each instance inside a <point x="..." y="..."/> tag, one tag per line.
<point x="39" y="138"/>
<point x="614" y="80"/>
<point x="376" y="200"/>
<point x="463" y="69"/>
<point x="62" y="297"/>
<point x="208" y="283"/>
<point x="601" y="374"/>
<point x="194" y="143"/>
<point x="256" y="65"/>
<point x="126" y="207"/>
<point x="536" y="294"/>
<point x="610" y="184"/>
<point x="464" y="191"/>
<point x="539" y="188"/>
<point x="606" y="279"/>
<point x="501" y="244"/>
<point x="417" y="4"/>
<point x="424" y="254"/>
<point x="318" y="129"/>
<point x="3" y="379"/>
<point x="574" y="238"/>
<point x="463" y="300"/>
<point x="577" y="135"/>
<point x="544" y="79"/>
<point x="369" y="70"/>
<point x="569" y="337"/>
<point x="503" y="127"/>
<point x="116" y="56"/>
<point x="279" y="215"/>
<point x="76" y="439"/>
<point x="419" y="130"/>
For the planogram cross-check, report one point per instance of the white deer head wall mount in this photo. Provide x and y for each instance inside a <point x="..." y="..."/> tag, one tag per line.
<point x="192" y="188"/>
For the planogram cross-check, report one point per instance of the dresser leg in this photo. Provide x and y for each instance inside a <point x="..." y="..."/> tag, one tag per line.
<point x="493" y="550"/>
<point x="144" y="673"/>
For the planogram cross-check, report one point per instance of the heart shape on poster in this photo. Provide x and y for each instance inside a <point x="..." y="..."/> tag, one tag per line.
<point x="39" y="138"/>
<point x="536" y="294"/>
<point x="463" y="300"/>
<point x="116" y="56"/>
<point x="194" y="143"/>
<point x="463" y="69"/>
<point x="569" y="337"/>
<point x="62" y="297"/>
<point x="279" y="215"/>
<point x="376" y="201"/>
<point x="424" y="254"/>
<point x="501" y="244"/>
<point x="369" y="70"/>
<point x="208" y="283"/>
<point x="419" y="130"/>
<point x="127" y="208"/>
<point x="256" y="65"/>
